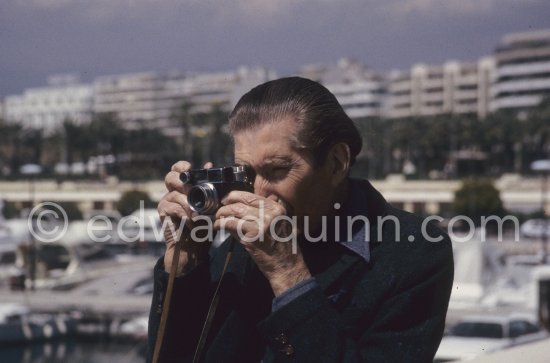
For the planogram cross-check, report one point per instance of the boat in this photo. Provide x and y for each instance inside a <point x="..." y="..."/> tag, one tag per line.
<point x="18" y="325"/>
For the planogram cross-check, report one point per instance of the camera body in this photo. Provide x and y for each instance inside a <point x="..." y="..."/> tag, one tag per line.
<point x="209" y="186"/>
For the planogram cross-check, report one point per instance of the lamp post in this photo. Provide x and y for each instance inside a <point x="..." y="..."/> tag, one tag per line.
<point x="31" y="170"/>
<point x="543" y="166"/>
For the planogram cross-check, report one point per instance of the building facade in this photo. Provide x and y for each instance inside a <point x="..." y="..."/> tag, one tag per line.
<point x="46" y="108"/>
<point x="206" y="91"/>
<point x="138" y="100"/>
<point x="523" y="70"/>
<point x="516" y="77"/>
<point x="452" y="88"/>
<point x="360" y="91"/>
<point x="134" y="99"/>
<point x="154" y="100"/>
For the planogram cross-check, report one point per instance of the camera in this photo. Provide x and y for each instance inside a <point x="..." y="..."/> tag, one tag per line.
<point x="209" y="186"/>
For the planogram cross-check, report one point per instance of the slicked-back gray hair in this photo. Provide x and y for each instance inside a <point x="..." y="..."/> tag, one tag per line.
<point x="321" y="120"/>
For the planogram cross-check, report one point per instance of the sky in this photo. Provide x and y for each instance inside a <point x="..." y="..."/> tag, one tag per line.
<point x="39" y="38"/>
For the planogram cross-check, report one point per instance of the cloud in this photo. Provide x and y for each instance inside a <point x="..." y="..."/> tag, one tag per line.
<point x="269" y="8"/>
<point x="251" y="11"/>
<point x="44" y="4"/>
<point x="266" y="7"/>
<point x="40" y="37"/>
<point x="447" y="7"/>
<point x="103" y="10"/>
<point x="460" y="6"/>
<point x="257" y="12"/>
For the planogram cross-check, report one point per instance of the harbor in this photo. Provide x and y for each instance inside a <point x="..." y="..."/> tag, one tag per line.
<point x="86" y="302"/>
<point x="95" y="308"/>
<point x="99" y="320"/>
<point x="74" y="350"/>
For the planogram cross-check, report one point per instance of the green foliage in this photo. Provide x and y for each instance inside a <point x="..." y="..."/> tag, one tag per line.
<point x="204" y="138"/>
<point x="133" y="150"/>
<point x="477" y="198"/>
<point x="10" y="211"/>
<point x="71" y="208"/>
<point x="131" y="201"/>
<point x="508" y="143"/>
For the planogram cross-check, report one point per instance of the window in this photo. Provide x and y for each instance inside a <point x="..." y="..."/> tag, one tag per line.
<point x="7" y="258"/>
<point x="477" y="329"/>
<point x="54" y="256"/>
<point x="521" y="327"/>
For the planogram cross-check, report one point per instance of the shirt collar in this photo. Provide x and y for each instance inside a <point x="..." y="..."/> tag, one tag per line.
<point x="356" y="206"/>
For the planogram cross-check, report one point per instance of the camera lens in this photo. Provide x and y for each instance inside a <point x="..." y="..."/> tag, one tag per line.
<point x="198" y="198"/>
<point x="203" y="198"/>
<point x="185" y="177"/>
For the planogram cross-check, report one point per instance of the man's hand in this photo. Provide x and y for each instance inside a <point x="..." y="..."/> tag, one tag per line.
<point x="173" y="211"/>
<point x="249" y="218"/>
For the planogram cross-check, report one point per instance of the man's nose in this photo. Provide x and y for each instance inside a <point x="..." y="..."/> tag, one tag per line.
<point x="261" y="187"/>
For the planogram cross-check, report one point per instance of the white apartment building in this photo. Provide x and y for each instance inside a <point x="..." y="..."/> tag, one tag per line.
<point x="132" y="98"/>
<point x="523" y="70"/>
<point x="452" y="88"/>
<point x="206" y="91"/>
<point x="516" y="77"/>
<point x="46" y="108"/>
<point x="152" y="100"/>
<point x="359" y="90"/>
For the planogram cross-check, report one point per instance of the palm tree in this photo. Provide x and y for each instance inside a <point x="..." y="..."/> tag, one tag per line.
<point x="184" y="119"/>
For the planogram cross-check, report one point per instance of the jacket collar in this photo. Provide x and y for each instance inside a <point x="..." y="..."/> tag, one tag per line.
<point x="363" y="200"/>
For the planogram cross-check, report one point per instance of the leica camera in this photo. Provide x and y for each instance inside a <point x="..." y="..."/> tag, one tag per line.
<point x="209" y="186"/>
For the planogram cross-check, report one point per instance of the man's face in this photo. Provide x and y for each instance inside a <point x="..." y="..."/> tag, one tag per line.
<point x="285" y="172"/>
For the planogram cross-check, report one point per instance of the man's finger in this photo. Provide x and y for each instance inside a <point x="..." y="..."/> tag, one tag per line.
<point x="243" y="197"/>
<point x="239" y="210"/>
<point x="181" y="166"/>
<point x="173" y="182"/>
<point x="169" y="209"/>
<point x="246" y="231"/>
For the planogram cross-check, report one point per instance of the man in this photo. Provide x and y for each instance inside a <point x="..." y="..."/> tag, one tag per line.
<point x="356" y="280"/>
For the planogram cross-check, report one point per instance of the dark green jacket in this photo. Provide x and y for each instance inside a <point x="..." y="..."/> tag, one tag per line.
<point x="389" y="309"/>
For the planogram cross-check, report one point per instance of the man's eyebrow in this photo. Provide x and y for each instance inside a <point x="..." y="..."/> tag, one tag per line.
<point x="271" y="160"/>
<point x="276" y="160"/>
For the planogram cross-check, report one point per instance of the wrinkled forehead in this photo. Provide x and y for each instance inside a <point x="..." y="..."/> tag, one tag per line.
<point x="269" y="141"/>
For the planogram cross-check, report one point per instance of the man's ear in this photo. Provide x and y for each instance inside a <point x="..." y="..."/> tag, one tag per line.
<point x="340" y="158"/>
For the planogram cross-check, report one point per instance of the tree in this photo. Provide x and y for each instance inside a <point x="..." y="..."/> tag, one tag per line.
<point x="71" y="208"/>
<point x="108" y="135"/>
<point x="150" y="153"/>
<point x="477" y="198"/>
<point x="204" y="138"/>
<point x="79" y="142"/>
<point x="220" y="152"/>
<point x="538" y="127"/>
<point x="131" y="201"/>
<point x="184" y="119"/>
<point x="10" y="144"/>
<point x="9" y="210"/>
<point x="501" y="138"/>
<point x="32" y="140"/>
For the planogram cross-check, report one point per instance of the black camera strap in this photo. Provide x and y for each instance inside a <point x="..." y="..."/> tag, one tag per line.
<point x="170" y="238"/>
<point x="213" y="306"/>
<point x="185" y="238"/>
